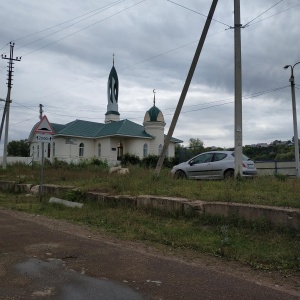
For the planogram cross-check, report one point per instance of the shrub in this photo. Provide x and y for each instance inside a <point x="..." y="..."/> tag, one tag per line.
<point x="130" y="159"/>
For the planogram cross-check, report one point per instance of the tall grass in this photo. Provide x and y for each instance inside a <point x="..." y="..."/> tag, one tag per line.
<point x="263" y="190"/>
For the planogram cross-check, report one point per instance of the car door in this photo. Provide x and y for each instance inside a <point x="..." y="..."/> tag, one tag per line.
<point x="219" y="164"/>
<point x="200" y="166"/>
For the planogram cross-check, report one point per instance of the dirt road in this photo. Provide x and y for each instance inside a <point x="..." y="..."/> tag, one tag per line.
<point x="41" y="258"/>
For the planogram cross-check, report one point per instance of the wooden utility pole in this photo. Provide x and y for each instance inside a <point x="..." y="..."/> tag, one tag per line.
<point x="185" y="87"/>
<point x="238" y="112"/>
<point x="5" y="116"/>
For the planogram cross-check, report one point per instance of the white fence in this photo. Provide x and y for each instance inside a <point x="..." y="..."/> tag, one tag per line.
<point x="276" y="167"/>
<point x="13" y="159"/>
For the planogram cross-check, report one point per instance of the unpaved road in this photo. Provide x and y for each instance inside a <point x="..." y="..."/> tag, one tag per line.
<point x="41" y="258"/>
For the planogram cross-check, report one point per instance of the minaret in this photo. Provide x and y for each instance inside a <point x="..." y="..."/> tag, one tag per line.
<point x="154" y="124"/>
<point x="112" y="114"/>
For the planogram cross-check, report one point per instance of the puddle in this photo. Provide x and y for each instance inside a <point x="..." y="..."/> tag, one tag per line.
<point x="51" y="280"/>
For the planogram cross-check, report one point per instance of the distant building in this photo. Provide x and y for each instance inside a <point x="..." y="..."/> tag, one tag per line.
<point x="108" y="141"/>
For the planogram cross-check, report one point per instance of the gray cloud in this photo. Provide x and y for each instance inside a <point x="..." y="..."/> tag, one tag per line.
<point x="69" y="77"/>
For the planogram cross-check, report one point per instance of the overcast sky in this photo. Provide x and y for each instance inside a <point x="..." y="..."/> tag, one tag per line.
<point x="67" y="48"/>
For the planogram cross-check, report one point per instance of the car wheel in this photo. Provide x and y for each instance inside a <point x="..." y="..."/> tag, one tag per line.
<point x="229" y="174"/>
<point x="180" y="174"/>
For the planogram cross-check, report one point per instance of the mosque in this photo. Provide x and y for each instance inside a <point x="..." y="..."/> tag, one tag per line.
<point x="108" y="141"/>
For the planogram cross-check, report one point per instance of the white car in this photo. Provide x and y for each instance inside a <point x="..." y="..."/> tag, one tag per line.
<point x="212" y="165"/>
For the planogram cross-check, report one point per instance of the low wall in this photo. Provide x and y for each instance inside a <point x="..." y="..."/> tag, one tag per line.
<point x="13" y="159"/>
<point x="278" y="216"/>
<point x="276" y="167"/>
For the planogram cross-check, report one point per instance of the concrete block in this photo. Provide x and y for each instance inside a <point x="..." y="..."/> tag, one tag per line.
<point x="167" y="204"/>
<point x="7" y="185"/>
<point x="23" y="188"/>
<point x="65" y="202"/>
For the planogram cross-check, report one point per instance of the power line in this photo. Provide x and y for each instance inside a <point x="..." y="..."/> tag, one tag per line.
<point x="70" y="20"/>
<point x="280" y="12"/>
<point x="93" y="24"/>
<point x="39" y="39"/>
<point x="227" y="101"/>
<point x="198" y="12"/>
<point x="263" y="13"/>
<point x="132" y="65"/>
<point x="23" y="121"/>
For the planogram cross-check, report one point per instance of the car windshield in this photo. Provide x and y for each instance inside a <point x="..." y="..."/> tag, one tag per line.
<point x="244" y="156"/>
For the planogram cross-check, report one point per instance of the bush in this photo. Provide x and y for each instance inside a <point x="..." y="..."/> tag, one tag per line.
<point x="130" y="159"/>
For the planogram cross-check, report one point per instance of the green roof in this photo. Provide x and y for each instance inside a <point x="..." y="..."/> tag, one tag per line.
<point x="88" y="129"/>
<point x="96" y="130"/>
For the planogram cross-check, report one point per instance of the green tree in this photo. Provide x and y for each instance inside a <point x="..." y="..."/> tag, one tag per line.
<point x="196" y="146"/>
<point x="195" y="143"/>
<point x="18" y="148"/>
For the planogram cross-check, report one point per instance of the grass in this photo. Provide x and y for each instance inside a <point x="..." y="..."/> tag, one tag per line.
<point x="263" y="190"/>
<point x="256" y="244"/>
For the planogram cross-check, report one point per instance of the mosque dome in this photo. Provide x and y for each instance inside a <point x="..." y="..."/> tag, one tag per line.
<point x="154" y="115"/>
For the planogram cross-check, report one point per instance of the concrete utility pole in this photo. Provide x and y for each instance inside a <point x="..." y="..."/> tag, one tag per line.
<point x="296" y="139"/>
<point x="186" y="87"/>
<point x="41" y="111"/>
<point x="8" y="101"/>
<point x="238" y="112"/>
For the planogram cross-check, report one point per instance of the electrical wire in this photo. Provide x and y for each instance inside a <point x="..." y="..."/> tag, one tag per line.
<point x="227" y="101"/>
<point x="39" y="39"/>
<point x="247" y="24"/>
<point x="84" y="28"/>
<point x="23" y="121"/>
<point x="274" y="15"/>
<point x="132" y="65"/>
<point x="70" y="20"/>
<point x="199" y="13"/>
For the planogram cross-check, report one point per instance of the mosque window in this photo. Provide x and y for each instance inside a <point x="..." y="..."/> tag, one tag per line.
<point x="99" y="150"/>
<point x="38" y="151"/>
<point x="81" y="149"/>
<point x="145" y="150"/>
<point x="49" y="150"/>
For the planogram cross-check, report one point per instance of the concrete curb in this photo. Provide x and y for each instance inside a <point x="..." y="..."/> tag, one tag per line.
<point x="279" y="216"/>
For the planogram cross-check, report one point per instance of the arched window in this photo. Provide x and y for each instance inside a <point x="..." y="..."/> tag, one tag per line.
<point x="81" y="149"/>
<point x="49" y="150"/>
<point x="159" y="149"/>
<point x="145" y="150"/>
<point x="38" y="151"/>
<point x="99" y="150"/>
<point x="53" y="150"/>
<point x="32" y="151"/>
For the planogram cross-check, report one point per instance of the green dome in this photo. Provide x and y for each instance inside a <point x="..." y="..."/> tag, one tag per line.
<point x="154" y="115"/>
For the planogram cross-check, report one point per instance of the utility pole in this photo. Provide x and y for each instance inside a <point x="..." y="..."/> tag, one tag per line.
<point x="238" y="112"/>
<point x="41" y="111"/>
<point x="296" y="138"/>
<point x="5" y="117"/>
<point x="186" y="87"/>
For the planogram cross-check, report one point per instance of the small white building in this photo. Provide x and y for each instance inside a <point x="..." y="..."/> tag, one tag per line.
<point x="108" y="141"/>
